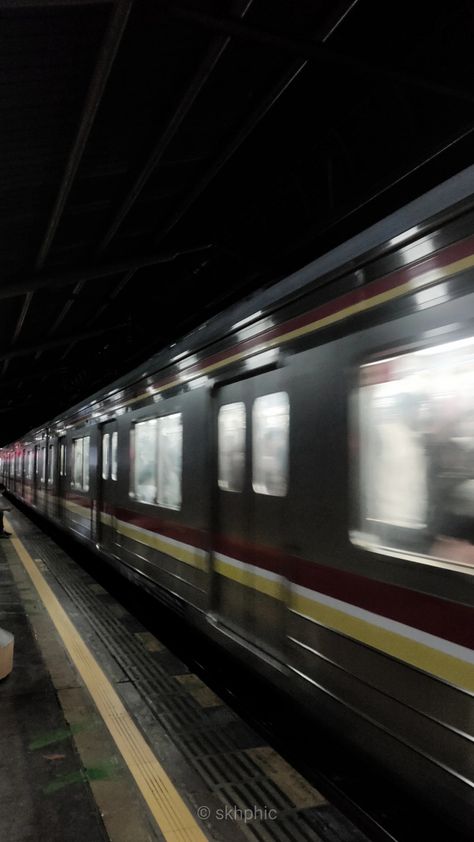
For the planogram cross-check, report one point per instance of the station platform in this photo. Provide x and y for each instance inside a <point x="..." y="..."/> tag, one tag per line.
<point x="105" y="734"/>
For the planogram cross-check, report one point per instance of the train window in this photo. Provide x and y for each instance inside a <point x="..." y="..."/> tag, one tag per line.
<point x="80" y="463"/>
<point x="51" y="465"/>
<point x="43" y="465"/>
<point x="270" y="433"/>
<point x="170" y="457"/>
<point x="113" y="459"/>
<point x="29" y="464"/>
<point x="144" y="467"/>
<point x="85" y="484"/>
<point x="105" y="456"/>
<point x="62" y="459"/>
<point x="231" y="446"/>
<point x="416" y="453"/>
<point x="37" y="461"/>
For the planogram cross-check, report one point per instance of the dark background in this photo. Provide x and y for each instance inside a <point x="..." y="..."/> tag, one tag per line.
<point x="159" y="161"/>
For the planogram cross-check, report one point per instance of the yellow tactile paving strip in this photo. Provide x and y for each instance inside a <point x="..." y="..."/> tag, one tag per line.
<point x="170" y="812"/>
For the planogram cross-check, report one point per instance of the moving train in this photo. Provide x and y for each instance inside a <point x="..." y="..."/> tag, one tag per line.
<point x="297" y="478"/>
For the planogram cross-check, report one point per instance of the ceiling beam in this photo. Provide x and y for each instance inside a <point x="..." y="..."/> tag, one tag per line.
<point x="60" y="4"/>
<point x="256" y="116"/>
<point x="195" y="86"/>
<point x="16" y="382"/>
<point x="198" y="81"/>
<point x="118" y="20"/>
<point x="339" y="14"/>
<point x="110" y="45"/>
<point x="26" y="350"/>
<point x="91" y="273"/>
<point x="311" y="49"/>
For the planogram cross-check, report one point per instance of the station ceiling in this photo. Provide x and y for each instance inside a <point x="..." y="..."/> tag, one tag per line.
<point x="160" y="160"/>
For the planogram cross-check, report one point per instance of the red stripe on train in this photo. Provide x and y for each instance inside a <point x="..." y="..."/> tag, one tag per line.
<point x="428" y="613"/>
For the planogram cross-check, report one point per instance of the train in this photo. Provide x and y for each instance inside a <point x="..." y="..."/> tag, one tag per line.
<point x="296" y="478"/>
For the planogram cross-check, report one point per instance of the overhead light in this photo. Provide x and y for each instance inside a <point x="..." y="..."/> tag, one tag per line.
<point x="247" y="320"/>
<point x="178" y="356"/>
<point x="252" y="330"/>
<point x="406" y="235"/>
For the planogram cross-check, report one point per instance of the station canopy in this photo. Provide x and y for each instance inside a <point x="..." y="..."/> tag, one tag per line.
<point x="161" y="160"/>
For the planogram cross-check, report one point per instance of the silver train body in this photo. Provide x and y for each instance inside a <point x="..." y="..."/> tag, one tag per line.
<point x="297" y="477"/>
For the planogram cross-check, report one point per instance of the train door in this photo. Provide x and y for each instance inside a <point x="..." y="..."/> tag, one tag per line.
<point x="107" y="503"/>
<point x="29" y="475"/>
<point x="62" y="478"/>
<point x="51" y="482"/>
<point x="42" y="477"/>
<point x="36" y="475"/>
<point x="249" y="567"/>
<point x="19" y="473"/>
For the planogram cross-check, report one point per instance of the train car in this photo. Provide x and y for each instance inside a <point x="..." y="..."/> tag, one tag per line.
<point x="297" y="478"/>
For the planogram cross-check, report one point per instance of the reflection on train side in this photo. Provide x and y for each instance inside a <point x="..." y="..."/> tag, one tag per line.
<point x="416" y="453"/>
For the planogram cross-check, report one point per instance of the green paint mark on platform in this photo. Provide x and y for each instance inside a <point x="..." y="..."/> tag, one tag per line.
<point x="94" y="773"/>
<point x="64" y="780"/>
<point x="52" y="737"/>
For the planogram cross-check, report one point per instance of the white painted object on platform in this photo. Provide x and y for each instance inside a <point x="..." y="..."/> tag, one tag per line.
<point x="6" y="653"/>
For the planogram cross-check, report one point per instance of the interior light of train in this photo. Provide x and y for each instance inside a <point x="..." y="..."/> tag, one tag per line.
<point x="378" y="362"/>
<point x="197" y="382"/>
<point x="448" y="346"/>
<point x="264" y="358"/>
<point x="431" y="296"/>
<point x="188" y="362"/>
<point x="420" y="250"/>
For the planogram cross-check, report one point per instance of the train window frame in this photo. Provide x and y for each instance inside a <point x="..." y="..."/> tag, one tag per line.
<point x="162" y="496"/>
<point x="83" y="461"/>
<point x="106" y="456"/>
<point x="30" y="463"/>
<point x="114" y="456"/>
<point x="43" y="465"/>
<point x="134" y="493"/>
<point x="156" y="497"/>
<point x="62" y="458"/>
<point x="51" y="464"/>
<point x="434" y="549"/>
<point x="260" y="484"/>
<point x="229" y="479"/>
